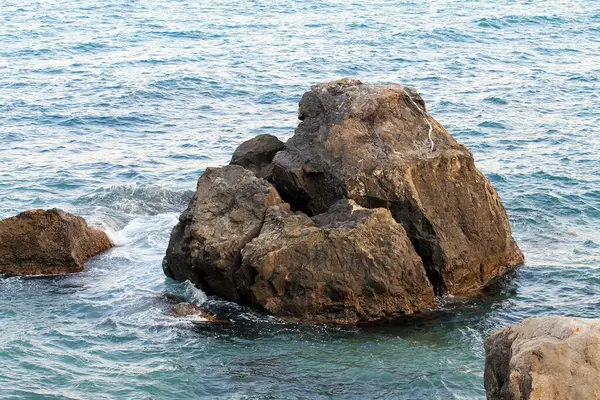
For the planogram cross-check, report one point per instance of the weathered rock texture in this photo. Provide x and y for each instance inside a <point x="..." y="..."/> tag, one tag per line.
<point x="39" y="242"/>
<point x="551" y="358"/>
<point x="226" y="212"/>
<point x="394" y="221"/>
<point x="257" y="155"/>
<point x="348" y="265"/>
<point x="370" y="143"/>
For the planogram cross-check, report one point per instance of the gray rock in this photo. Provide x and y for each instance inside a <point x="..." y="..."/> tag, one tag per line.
<point x="550" y="358"/>
<point x="371" y="144"/>
<point x="48" y="242"/>
<point x="348" y="265"/>
<point x="257" y="155"/>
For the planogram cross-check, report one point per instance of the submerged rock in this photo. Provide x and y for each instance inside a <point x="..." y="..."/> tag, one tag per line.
<point x="40" y="242"/>
<point x="348" y="265"/>
<point x="257" y="155"/>
<point x="192" y="310"/>
<point x="550" y="358"/>
<point x="178" y="307"/>
<point x="225" y="214"/>
<point x="371" y="144"/>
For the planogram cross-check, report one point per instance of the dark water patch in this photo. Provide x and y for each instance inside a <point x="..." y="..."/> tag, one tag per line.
<point x="91" y="47"/>
<point x="496" y="178"/>
<point x="446" y="35"/>
<point x="492" y="124"/>
<point x="200" y="157"/>
<point x="25" y="53"/>
<point x="188" y="34"/>
<point x="509" y="20"/>
<point x="555" y="178"/>
<point x="451" y="106"/>
<point x="495" y="100"/>
<point x="108" y="120"/>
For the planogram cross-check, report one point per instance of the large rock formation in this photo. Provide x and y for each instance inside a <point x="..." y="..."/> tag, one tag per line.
<point x="257" y="155"/>
<point x="372" y="144"/>
<point x="551" y="358"/>
<point x="348" y="265"/>
<point x="388" y="209"/>
<point x="39" y="242"/>
<point x="239" y="241"/>
<point x="226" y="212"/>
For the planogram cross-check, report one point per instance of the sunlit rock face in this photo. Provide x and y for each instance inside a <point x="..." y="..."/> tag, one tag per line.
<point x="48" y="242"/>
<point x="347" y="265"/>
<point x="549" y="358"/>
<point x="377" y="145"/>
<point x="366" y="213"/>
<point x="225" y="214"/>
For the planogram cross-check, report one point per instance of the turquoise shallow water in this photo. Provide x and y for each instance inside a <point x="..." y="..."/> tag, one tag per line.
<point x="111" y="110"/>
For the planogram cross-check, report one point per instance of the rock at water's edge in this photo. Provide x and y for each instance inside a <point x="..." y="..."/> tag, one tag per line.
<point x="348" y="265"/>
<point x="257" y="155"/>
<point x="184" y="309"/>
<point x="370" y="143"/>
<point x="40" y="242"/>
<point x="550" y="358"/>
<point x="225" y="214"/>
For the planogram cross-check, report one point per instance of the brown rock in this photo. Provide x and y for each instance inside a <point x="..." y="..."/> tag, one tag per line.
<point x="370" y="143"/>
<point x="225" y="214"/>
<point x="257" y="154"/>
<point x="348" y="265"/>
<point x="39" y="242"/>
<point x="189" y="309"/>
<point x="550" y="358"/>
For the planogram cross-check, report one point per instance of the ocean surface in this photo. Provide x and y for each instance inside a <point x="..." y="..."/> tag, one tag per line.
<point x="112" y="110"/>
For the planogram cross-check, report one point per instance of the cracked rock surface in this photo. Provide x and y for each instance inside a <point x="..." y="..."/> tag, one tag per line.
<point x="347" y="265"/>
<point x="547" y="358"/>
<point x="225" y="214"/>
<point x="370" y="143"/>
<point x="357" y="218"/>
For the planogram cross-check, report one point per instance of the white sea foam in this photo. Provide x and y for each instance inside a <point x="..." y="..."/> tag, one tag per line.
<point x="142" y="238"/>
<point x="193" y="294"/>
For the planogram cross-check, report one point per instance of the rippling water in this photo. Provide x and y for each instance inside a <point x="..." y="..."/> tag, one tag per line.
<point x="112" y="109"/>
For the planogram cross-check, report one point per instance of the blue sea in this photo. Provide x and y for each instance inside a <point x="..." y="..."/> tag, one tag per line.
<point x="111" y="109"/>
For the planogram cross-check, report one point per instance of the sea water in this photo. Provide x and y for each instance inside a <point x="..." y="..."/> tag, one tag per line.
<point x="112" y="109"/>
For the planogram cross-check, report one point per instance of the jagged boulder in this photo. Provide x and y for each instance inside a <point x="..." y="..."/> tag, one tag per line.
<point x="387" y="206"/>
<point x="226" y="212"/>
<point x="348" y="265"/>
<point x="550" y="358"/>
<point x="48" y="242"/>
<point x="257" y="155"/>
<point x="239" y="241"/>
<point x="373" y="144"/>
